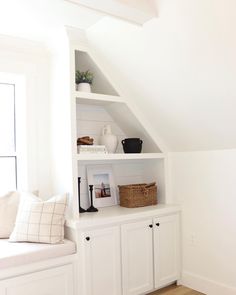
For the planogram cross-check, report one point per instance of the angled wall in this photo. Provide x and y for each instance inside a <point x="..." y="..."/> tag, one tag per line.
<point x="179" y="69"/>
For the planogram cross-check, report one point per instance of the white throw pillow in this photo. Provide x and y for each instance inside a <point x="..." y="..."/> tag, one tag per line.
<point x="40" y="221"/>
<point x="9" y="203"/>
<point x="8" y="210"/>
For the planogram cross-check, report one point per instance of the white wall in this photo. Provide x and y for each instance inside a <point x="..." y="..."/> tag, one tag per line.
<point x="205" y="184"/>
<point x="179" y="69"/>
<point x="32" y="62"/>
<point x="63" y="119"/>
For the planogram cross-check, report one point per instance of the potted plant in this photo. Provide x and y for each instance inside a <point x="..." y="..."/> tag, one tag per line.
<point x="83" y="81"/>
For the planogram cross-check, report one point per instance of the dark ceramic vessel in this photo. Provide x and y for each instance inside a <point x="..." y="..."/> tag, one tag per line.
<point x="132" y="145"/>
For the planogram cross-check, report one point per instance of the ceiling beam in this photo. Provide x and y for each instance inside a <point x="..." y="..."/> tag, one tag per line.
<point x="136" y="11"/>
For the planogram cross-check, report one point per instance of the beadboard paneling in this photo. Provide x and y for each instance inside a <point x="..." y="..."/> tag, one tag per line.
<point x="90" y="121"/>
<point x="123" y="174"/>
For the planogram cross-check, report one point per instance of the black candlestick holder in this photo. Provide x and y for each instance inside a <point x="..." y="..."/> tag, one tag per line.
<point x="81" y="210"/>
<point x="91" y="208"/>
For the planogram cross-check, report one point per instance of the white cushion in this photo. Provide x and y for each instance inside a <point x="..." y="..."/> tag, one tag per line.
<point x="17" y="254"/>
<point x="9" y="203"/>
<point x="40" y="221"/>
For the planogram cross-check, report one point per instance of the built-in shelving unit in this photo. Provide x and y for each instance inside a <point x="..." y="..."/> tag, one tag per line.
<point x="104" y="105"/>
<point x="77" y="114"/>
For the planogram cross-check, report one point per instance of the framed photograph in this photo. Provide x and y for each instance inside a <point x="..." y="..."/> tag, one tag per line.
<point x="104" y="191"/>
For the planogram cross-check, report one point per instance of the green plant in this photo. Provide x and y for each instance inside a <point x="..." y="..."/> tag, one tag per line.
<point x="83" y="77"/>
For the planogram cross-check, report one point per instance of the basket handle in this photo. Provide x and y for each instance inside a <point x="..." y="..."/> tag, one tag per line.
<point x="150" y="184"/>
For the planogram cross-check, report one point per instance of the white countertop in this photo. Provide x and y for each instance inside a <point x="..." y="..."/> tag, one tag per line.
<point x="118" y="214"/>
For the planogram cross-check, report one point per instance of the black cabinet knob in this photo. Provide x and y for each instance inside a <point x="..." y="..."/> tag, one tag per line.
<point x="158" y="224"/>
<point x="150" y="225"/>
<point x="87" y="238"/>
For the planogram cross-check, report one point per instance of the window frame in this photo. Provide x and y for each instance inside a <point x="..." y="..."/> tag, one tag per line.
<point x="14" y="154"/>
<point x="20" y="131"/>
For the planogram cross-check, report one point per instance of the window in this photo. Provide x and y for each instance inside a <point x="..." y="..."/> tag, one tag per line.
<point x="8" y="156"/>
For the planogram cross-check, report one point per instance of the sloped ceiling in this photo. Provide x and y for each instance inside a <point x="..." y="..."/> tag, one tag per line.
<point x="179" y="69"/>
<point x="136" y="11"/>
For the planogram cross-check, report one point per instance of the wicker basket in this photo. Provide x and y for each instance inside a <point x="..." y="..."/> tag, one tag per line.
<point x="138" y="195"/>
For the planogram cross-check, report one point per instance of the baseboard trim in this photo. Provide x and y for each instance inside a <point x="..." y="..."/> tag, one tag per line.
<point x="206" y="286"/>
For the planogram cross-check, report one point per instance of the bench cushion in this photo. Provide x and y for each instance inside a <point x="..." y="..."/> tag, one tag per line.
<point x="17" y="254"/>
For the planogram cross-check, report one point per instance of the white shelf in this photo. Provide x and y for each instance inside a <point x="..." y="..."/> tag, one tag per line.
<point x="96" y="99"/>
<point x="113" y="157"/>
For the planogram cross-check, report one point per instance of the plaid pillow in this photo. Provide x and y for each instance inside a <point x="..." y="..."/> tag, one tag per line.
<point x="40" y="221"/>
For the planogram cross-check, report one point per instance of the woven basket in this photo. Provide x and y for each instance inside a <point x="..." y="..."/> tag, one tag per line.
<point x="138" y="195"/>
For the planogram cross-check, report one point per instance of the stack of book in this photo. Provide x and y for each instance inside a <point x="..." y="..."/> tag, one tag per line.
<point x="92" y="149"/>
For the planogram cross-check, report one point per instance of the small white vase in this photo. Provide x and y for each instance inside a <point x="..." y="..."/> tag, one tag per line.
<point x="108" y="139"/>
<point x="84" y="87"/>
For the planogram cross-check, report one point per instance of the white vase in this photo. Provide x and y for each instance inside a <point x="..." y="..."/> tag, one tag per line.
<point x="108" y="139"/>
<point x="84" y="87"/>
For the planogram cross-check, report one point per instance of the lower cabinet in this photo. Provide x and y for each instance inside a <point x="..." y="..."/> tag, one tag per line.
<point x="102" y="269"/>
<point x="166" y="250"/>
<point x="58" y="281"/>
<point x="137" y="257"/>
<point x="132" y="258"/>
<point x="150" y="254"/>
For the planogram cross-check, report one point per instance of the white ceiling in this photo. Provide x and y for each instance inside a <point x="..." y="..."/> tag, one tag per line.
<point x="40" y="20"/>
<point x="179" y="69"/>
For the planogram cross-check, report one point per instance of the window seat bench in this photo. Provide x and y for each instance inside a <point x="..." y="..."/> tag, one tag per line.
<point x="39" y="269"/>
<point x="16" y="254"/>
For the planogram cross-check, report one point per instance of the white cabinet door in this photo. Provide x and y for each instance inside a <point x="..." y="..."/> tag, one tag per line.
<point x="57" y="281"/>
<point x="102" y="261"/>
<point x="166" y="250"/>
<point x="137" y="257"/>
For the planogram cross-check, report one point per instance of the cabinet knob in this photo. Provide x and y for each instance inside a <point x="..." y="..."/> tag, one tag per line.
<point x="150" y="225"/>
<point x="158" y="224"/>
<point x="87" y="238"/>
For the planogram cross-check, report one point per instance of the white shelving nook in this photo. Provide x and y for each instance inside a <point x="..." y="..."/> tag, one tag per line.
<point x="90" y="112"/>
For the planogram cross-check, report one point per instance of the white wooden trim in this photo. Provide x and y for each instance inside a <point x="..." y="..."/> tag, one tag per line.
<point x="205" y="285"/>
